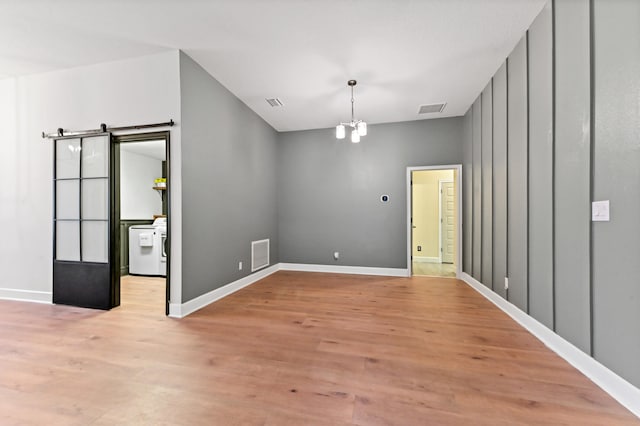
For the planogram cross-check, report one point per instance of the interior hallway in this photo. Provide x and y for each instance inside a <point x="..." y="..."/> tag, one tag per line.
<point x="294" y="348"/>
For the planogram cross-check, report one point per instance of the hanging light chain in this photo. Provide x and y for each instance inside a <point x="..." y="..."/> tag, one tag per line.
<point x="353" y="120"/>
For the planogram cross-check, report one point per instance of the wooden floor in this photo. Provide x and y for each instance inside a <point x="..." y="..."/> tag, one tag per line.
<point x="295" y="348"/>
<point x="434" y="269"/>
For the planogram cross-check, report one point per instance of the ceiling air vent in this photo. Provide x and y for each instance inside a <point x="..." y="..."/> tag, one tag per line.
<point x="429" y="109"/>
<point x="274" y="102"/>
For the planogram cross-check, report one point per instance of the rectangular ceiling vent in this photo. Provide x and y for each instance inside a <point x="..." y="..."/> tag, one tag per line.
<point x="430" y="109"/>
<point x="274" y="102"/>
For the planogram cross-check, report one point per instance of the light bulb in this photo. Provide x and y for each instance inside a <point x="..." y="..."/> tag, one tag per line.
<point x="355" y="136"/>
<point x="340" y="131"/>
<point x="362" y="128"/>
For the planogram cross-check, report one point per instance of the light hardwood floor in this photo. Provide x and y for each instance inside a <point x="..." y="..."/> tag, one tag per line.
<point x="434" y="269"/>
<point x="295" y="348"/>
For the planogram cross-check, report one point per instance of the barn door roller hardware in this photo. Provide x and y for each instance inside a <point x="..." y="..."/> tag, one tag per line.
<point x="103" y="129"/>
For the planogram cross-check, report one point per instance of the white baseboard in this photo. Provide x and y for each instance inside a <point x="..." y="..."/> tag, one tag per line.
<point x="426" y="259"/>
<point x="341" y="269"/>
<point x="25" y="295"/>
<point x="177" y="310"/>
<point x="621" y="390"/>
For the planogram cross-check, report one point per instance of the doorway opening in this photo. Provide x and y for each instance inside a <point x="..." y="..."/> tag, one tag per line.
<point x="433" y="222"/>
<point x="142" y="217"/>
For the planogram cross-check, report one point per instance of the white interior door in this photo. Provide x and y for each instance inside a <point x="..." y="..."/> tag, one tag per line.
<point x="447" y="222"/>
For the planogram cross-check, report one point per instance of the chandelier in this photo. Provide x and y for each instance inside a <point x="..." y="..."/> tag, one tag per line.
<point x="358" y="127"/>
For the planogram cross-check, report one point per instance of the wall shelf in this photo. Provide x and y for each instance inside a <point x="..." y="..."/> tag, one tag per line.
<point x="161" y="191"/>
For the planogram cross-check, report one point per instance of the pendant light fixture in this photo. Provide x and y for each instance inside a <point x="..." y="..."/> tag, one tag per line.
<point x="358" y="127"/>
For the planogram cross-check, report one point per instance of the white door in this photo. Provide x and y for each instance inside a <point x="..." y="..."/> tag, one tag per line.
<point x="447" y="221"/>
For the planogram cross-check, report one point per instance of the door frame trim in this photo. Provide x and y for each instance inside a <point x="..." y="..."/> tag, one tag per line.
<point x="459" y="225"/>
<point x="142" y="137"/>
<point x="440" y="195"/>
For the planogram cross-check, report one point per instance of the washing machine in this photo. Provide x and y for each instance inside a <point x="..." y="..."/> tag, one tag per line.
<point x="147" y="253"/>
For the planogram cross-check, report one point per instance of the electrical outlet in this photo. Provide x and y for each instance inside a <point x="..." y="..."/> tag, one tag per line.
<point x="336" y="255"/>
<point x="419" y="248"/>
<point x="506" y="283"/>
<point x="239" y="266"/>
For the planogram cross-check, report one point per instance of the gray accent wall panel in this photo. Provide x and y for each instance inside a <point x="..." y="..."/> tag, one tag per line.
<point x="329" y="190"/>
<point x="541" y="168"/>
<point x="616" y="167"/>
<point x="517" y="176"/>
<point x="572" y="172"/>
<point x="487" y="186"/>
<point x="500" y="180"/>
<point x="467" y="191"/>
<point x="477" y="188"/>
<point x="228" y="183"/>
<point x="566" y="131"/>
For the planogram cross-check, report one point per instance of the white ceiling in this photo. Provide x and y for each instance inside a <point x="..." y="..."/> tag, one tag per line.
<point x="404" y="53"/>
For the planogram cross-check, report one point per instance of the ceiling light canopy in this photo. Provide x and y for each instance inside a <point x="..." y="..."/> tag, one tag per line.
<point x="358" y="127"/>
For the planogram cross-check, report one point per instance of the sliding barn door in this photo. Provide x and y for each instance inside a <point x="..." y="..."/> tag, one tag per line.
<point x="83" y="267"/>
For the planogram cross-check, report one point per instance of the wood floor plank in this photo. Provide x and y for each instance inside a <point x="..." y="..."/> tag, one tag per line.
<point x="292" y="349"/>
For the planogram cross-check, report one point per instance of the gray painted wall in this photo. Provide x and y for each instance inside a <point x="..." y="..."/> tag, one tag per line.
<point x="477" y="188"/>
<point x="500" y="180"/>
<point x="329" y="190"/>
<point x="572" y="173"/>
<point x="312" y="194"/>
<point x="467" y="193"/>
<point x="517" y="172"/>
<point x="616" y="177"/>
<point x="487" y="186"/>
<point x="588" y="271"/>
<point x="541" y="168"/>
<point x="228" y="183"/>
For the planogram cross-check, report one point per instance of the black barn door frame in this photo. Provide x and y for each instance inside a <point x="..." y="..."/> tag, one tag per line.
<point x="88" y="284"/>
<point x="116" y="140"/>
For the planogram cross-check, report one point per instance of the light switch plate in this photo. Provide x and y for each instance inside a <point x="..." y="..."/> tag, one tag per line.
<point x="600" y="211"/>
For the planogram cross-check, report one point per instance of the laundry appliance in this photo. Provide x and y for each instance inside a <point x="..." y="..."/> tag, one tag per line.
<point x="147" y="253"/>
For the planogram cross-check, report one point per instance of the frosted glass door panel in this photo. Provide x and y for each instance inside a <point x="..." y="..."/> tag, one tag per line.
<point x="68" y="240"/>
<point x="67" y="199"/>
<point x="95" y="193"/>
<point x="95" y="241"/>
<point x="82" y="272"/>
<point x="95" y="157"/>
<point x="67" y="158"/>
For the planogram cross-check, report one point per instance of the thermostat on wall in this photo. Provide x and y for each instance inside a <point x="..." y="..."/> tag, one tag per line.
<point x="384" y="198"/>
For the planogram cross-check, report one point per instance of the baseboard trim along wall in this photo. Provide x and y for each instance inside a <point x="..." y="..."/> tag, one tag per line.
<point x="177" y="310"/>
<point x="26" y="295"/>
<point x="340" y="269"/>
<point x="621" y="390"/>
<point x="424" y="259"/>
